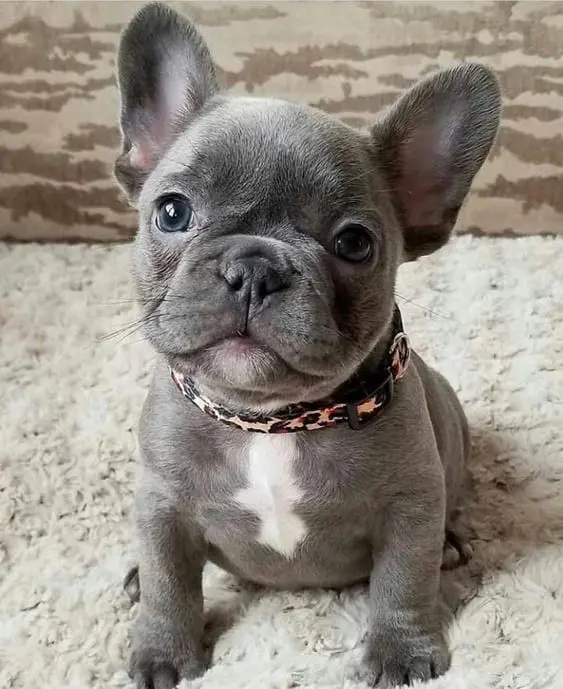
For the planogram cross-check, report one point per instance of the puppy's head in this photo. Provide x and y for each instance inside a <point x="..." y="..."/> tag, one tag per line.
<point x="270" y="233"/>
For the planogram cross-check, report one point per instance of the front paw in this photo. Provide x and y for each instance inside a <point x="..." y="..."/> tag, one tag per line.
<point x="396" y="658"/>
<point x="153" y="668"/>
<point x="161" y="658"/>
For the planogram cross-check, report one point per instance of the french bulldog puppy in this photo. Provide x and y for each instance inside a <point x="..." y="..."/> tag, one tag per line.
<point x="289" y="435"/>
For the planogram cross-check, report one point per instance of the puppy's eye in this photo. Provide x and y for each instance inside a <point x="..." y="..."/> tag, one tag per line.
<point x="353" y="244"/>
<point x="173" y="214"/>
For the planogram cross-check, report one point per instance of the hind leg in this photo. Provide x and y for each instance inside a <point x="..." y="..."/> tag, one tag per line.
<point x="457" y="548"/>
<point x="458" y="582"/>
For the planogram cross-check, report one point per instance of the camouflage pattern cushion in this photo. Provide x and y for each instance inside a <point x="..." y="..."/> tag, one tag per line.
<point x="58" y="102"/>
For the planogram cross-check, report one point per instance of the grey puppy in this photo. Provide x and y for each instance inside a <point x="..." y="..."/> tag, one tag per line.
<point x="265" y="263"/>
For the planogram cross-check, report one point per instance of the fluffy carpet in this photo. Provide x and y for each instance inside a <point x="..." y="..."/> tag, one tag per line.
<point x="488" y="313"/>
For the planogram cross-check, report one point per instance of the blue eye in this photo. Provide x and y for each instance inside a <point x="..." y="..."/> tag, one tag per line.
<point x="173" y="214"/>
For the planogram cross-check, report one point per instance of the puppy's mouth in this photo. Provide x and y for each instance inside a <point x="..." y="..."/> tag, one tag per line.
<point x="232" y="352"/>
<point x="253" y="356"/>
<point x="238" y="345"/>
<point x="243" y="351"/>
<point x="242" y="364"/>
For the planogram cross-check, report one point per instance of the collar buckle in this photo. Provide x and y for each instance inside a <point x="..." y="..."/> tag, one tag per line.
<point x="383" y="393"/>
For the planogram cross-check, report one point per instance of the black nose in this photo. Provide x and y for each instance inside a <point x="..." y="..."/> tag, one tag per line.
<point x="253" y="276"/>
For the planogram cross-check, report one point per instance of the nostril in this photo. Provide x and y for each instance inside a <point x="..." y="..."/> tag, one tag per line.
<point x="234" y="277"/>
<point x="257" y="276"/>
<point x="236" y="283"/>
<point x="269" y="284"/>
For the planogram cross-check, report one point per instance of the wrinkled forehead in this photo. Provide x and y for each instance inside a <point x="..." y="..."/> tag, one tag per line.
<point x="248" y="148"/>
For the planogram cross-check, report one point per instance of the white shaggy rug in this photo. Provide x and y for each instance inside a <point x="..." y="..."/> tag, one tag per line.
<point x="490" y="315"/>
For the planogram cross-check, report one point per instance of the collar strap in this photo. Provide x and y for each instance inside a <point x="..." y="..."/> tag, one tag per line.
<point x="359" y="401"/>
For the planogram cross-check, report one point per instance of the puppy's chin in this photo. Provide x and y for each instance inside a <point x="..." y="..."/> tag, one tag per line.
<point x="237" y="364"/>
<point x="242" y="363"/>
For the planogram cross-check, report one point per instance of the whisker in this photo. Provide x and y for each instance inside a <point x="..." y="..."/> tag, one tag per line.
<point x="135" y="342"/>
<point x="129" y="328"/>
<point x="424" y="308"/>
<point x="338" y="333"/>
<point x="117" y="302"/>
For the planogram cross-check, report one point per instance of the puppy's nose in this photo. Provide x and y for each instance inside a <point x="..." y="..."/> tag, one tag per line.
<point x="256" y="277"/>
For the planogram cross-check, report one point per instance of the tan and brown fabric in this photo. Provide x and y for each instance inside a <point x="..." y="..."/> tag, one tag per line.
<point x="58" y="101"/>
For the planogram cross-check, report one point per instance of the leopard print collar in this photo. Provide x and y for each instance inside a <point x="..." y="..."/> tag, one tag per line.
<point x="357" y="403"/>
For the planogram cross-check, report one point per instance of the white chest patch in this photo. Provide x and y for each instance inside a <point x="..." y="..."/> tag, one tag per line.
<point x="272" y="492"/>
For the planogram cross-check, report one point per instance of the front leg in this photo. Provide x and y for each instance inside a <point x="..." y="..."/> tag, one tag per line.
<point x="167" y="636"/>
<point x="407" y="641"/>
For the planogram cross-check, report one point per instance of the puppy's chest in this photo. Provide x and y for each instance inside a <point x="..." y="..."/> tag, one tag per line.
<point x="272" y="492"/>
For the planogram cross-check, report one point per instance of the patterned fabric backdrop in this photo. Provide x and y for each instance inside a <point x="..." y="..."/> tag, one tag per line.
<point x="58" y="101"/>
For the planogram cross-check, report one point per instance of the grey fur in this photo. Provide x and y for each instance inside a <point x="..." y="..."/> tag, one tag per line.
<point x="270" y="184"/>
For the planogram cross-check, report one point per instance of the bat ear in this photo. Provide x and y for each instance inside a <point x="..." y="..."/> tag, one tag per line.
<point x="432" y="143"/>
<point x="165" y="76"/>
